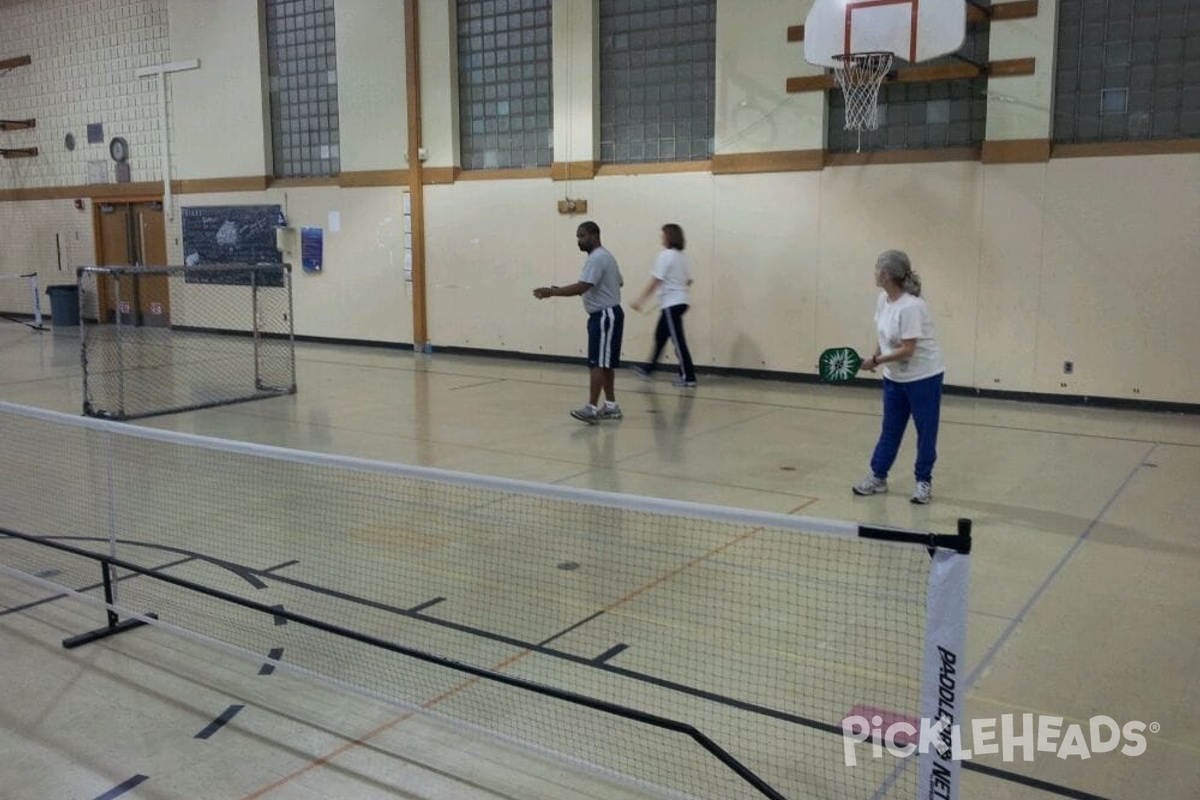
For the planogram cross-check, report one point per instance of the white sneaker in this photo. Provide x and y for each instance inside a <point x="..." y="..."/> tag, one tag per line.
<point x="922" y="494"/>
<point x="587" y="414"/>
<point x="870" y="485"/>
<point x="610" y="412"/>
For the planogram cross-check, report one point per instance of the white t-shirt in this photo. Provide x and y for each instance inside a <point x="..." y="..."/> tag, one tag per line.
<point x="675" y="271"/>
<point x="907" y="318"/>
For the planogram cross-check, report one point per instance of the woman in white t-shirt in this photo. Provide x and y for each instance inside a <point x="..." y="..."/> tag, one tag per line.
<point x="912" y="375"/>
<point x="670" y="278"/>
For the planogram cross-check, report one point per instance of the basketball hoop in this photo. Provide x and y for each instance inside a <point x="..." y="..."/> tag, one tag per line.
<point x="860" y="75"/>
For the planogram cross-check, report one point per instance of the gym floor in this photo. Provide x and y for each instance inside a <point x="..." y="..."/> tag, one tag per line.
<point x="1084" y="600"/>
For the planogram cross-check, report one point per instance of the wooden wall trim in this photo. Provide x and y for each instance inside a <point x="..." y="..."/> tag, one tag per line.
<point x="431" y="176"/>
<point x="782" y="161"/>
<point x="374" y="177"/>
<point x="931" y="156"/>
<point x="502" y="174"/>
<point x="293" y="183"/>
<point x="1016" y="151"/>
<point x="573" y="170"/>
<point x="654" y="168"/>
<point x="1159" y="147"/>
<point x="250" y="183"/>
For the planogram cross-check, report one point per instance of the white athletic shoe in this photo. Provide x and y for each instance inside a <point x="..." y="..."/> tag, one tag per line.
<point x="870" y="485"/>
<point x="610" y="412"/>
<point x="587" y="414"/>
<point x="922" y="494"/>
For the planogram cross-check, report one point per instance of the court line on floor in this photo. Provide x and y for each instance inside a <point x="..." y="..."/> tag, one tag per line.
<point x="502" y="665"/>
<point x="1080" y="540"/>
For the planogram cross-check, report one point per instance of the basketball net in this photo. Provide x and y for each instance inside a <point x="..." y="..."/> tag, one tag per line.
<point x="860" y="75"/>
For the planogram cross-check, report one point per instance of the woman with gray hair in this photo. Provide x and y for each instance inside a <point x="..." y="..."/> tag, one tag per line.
<point x="912" y="375"/>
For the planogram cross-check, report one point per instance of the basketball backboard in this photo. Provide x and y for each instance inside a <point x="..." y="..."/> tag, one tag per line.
<point x="912" y="30"/>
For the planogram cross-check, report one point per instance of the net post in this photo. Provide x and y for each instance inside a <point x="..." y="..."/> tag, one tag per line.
<point x="258" y="383"/>
<point x="291" y="324"/>
<point x="37" y="302"/>
<point x="943" y="674"/>
<point x="120" y="351"/>
<point x="963" y="539"/>
<point x="115" y="625"/>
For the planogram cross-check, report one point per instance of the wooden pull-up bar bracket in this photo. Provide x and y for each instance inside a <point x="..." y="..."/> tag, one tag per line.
<point x="17" y="124"/>
<point x="12" y="63"/>
<point x="18" y="152"/>
<point x="924" y="74"/>
<point x="1018" y="9"/>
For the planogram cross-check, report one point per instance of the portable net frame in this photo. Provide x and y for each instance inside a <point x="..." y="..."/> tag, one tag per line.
<point x="162" y="339"/>
<point x="699" y="651"/>
<point x="20" y="300"/>
<point x="860" y="75"/>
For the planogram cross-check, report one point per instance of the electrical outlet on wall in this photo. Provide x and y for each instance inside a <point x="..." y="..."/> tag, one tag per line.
<point x="1068" y="367"/>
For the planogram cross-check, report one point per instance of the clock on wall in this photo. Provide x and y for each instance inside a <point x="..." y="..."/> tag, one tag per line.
<point x="118" y="148"/>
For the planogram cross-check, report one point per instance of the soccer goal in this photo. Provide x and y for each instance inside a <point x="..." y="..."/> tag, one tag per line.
<point x="161" y="339"/>
<point x="19" y="299"/>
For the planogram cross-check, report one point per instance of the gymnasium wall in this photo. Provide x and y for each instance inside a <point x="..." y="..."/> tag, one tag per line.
<point x="1025" y="264"/>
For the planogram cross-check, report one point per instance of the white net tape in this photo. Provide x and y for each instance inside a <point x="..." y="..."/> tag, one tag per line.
<point x="860" y="75"/>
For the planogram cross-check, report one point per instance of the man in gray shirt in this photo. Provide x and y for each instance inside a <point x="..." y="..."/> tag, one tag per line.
<point x="600" y="285"/>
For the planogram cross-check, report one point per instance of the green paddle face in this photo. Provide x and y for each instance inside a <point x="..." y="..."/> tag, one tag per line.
<point x="839" y="364"/>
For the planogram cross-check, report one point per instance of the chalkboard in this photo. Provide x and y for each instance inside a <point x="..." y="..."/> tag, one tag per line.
<point x="231" y="235"/>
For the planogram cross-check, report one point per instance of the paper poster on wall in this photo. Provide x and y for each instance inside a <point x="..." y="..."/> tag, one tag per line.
<point x="311" y="249"/>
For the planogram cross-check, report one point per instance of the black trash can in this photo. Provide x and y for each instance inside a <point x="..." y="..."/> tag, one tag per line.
<point x="64" y="304"/>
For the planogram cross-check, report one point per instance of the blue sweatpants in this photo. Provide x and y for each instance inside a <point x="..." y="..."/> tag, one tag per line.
<point x="921" y="400"/>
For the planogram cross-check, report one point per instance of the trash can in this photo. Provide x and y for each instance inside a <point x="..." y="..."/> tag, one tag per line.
<point x="64" y="304"/>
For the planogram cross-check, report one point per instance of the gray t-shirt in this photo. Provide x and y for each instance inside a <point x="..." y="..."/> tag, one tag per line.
<point x="602" y="272"/>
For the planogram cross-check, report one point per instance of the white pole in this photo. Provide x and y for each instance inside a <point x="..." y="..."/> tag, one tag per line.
<point x="160" y="71"/>
<point x="164" y="145"/>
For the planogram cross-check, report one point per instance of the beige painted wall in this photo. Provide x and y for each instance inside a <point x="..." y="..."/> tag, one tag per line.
<point x="1025" y="266"/>
<point x="371" y="88"/>
<point x="754" y="112"/>
<point x="219" y="112"/>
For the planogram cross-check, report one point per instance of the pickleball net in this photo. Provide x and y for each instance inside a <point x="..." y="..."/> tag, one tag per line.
<point x="20" y="300"/>
<point x="692" y="650"/>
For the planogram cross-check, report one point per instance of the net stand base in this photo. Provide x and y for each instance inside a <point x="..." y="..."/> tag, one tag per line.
<point x="103" y="633"/>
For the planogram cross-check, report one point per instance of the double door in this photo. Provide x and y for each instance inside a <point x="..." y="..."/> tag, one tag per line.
<point x="133" y="234"/>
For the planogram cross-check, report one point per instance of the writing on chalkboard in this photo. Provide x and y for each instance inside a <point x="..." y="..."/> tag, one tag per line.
<point x="231" y="235"/>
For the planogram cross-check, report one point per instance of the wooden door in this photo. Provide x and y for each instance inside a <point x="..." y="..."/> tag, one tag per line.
<point x="133" y="234"/>
<point x="153" y="291"/>
<point x="115" y="250"/>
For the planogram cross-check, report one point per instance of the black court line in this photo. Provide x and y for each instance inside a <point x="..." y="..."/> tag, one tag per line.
<point x="609" y="653"/>
<point x="279" y="620"/>
<point x="122" y="788"/>
<point x="89" y="588"/>
<point x="427" y="604"/>
<point x="1033" y="783"/>
<point x="219" y="722"/>
<point x="284" y="565"/>
<point x="275" y="654"/>
<point x="249" y="574"/>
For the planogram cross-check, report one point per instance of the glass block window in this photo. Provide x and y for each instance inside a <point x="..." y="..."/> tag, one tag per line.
<point x="505" y="110"/>
<point x="922" y="116"/>
<point x="302" y="75"/>
<point x="1127" y="70"/>
<point x="657" y="80"/>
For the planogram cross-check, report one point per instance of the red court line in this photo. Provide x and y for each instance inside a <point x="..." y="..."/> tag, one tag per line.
<point x="321" y="761"/>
